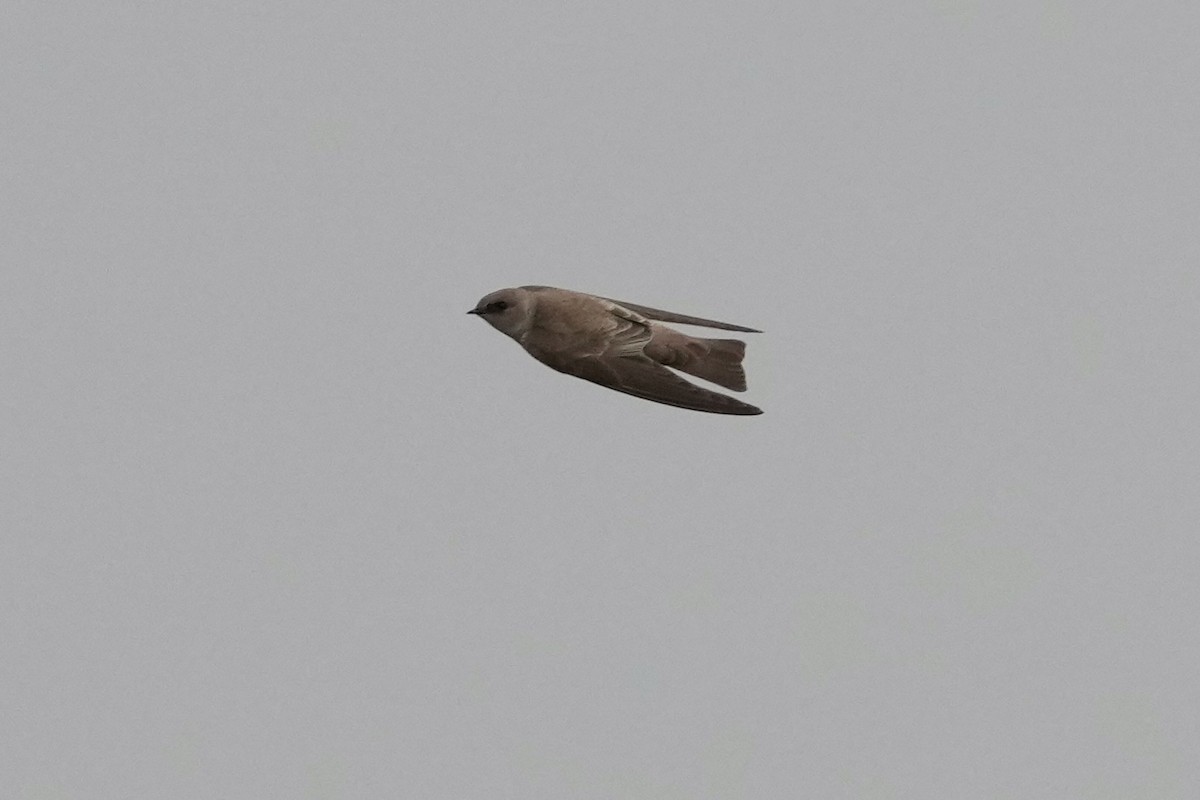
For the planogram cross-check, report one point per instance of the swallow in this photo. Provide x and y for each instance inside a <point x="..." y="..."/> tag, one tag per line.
<point x="622" y="346"/>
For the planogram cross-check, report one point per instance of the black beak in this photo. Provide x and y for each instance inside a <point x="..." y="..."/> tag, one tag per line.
<point x="473" y="311"/>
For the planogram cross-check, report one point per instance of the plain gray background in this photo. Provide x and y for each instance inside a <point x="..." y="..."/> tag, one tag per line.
<point x="280" y="521"/>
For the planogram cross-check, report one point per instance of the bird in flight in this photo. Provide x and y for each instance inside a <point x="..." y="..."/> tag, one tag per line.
<point x="622" y="345"/>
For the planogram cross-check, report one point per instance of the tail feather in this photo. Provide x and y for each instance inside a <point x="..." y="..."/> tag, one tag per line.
<point x="722" y="364"/>
<point x="716" y="360"/>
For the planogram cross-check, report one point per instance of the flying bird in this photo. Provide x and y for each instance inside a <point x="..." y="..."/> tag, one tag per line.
<point x="621" y="345"/>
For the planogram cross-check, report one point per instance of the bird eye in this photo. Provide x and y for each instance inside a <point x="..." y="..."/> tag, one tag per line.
<point x="498" y="306"/>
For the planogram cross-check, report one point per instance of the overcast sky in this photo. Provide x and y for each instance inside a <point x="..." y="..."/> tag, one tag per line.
<point x="279" y="520"/>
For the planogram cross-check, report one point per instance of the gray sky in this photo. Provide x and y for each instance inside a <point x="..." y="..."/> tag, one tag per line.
<point x="281" y="521"/>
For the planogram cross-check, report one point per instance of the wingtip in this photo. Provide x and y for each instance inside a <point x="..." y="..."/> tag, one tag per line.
<point x="741" y="409"/>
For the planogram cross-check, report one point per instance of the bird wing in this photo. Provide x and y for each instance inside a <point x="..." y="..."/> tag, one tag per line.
<point x="683" y="319"/>
<point x="644" y="378"/>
